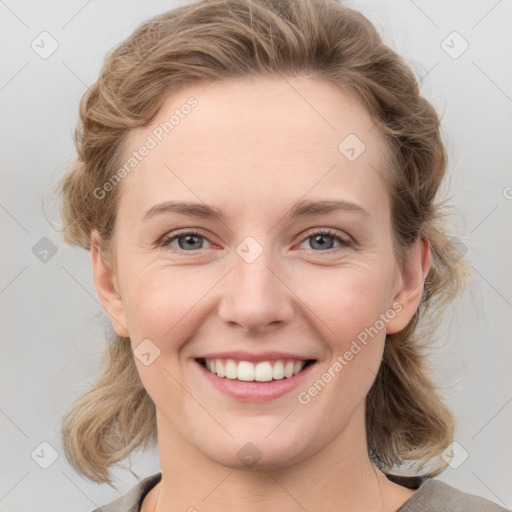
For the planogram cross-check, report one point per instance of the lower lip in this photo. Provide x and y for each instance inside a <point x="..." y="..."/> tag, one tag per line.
<point x="255" y="391"/>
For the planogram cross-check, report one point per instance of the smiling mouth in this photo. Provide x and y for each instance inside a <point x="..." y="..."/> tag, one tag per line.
<point x="247" y="371"/>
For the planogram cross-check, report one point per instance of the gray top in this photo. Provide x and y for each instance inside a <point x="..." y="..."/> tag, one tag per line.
<point x="431" y="496"/>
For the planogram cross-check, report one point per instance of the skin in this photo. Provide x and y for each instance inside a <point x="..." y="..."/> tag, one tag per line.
<point x="252" y="149"/>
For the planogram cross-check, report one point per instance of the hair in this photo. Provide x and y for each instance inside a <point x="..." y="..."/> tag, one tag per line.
<point x="406" y="419"/>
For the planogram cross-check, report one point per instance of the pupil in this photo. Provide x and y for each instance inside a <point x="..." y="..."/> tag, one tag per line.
<point x="189" y="242"/>
<point x="320" y="239"/>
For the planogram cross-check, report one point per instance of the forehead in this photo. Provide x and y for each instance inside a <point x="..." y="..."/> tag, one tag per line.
<point x="259" y="137"/>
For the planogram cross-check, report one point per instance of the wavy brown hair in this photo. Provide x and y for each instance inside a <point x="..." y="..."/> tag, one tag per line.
<point x="219" y="39"/>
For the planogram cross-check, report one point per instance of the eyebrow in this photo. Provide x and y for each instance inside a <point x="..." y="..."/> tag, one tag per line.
<point x="302" y="208"/>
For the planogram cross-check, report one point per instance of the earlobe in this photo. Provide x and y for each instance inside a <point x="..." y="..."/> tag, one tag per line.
<point x="412" y="284"/>
<point x="106" y="287"/>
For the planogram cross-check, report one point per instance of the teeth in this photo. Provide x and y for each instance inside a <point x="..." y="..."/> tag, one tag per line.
<point x="245" y="371"/>
<point x="278" y="370"/>
<point x="288" y="369"/>
<point x="219" y="368"/>
<point x="263" y="371"/>
<point x="231" y="369"/>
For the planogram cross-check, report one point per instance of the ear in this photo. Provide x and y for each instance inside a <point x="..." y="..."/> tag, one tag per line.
<point x="107" y="287"/>
<point x="411" y="284"/>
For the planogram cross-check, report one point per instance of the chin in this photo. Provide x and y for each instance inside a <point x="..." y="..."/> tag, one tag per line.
<point x="258" y="450"/>
<point x="250" y="457"/>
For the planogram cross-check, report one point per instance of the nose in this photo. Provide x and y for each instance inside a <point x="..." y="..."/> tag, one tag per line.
<point x="255" y="295"/>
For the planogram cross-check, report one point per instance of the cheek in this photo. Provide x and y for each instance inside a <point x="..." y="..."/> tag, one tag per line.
<point x="341" y="302"/>
<point x="163" y="304"/>
<point x="346" y="301"/>
<point x="351" y="309"/>
<point x="160" y="301"/>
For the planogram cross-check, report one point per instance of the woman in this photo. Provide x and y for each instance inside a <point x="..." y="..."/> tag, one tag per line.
<point x="257" y="184"/>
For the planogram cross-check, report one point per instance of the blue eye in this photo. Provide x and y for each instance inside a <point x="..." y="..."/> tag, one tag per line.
<point x="318" y="238"/>
<point x="192" y="241"/>
<point x="188" y="241"/>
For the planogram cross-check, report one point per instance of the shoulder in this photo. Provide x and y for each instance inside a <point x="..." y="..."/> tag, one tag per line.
<point x="431" y="496"/>
<point x="132" y="500"/>
<point x="434" y="495"/>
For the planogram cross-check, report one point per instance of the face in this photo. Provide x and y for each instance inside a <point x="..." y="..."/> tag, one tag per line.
<point x="254" y="281"/>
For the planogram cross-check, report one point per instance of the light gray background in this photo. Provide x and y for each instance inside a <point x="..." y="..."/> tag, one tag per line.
<point x="52" y="326"/>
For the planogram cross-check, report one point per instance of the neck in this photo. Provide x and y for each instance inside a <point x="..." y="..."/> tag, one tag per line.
<point x="345" y="482"/>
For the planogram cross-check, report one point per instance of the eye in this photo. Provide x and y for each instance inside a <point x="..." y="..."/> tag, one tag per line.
<point x="187" y="241"/>
<point x="191" y="241"/>
<point x="319" y="239"/>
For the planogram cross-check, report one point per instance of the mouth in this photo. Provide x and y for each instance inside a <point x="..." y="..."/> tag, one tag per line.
<point x="262" y="371"/>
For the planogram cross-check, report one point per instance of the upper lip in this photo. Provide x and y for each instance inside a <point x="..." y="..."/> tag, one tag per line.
<point x="239" y="355"/>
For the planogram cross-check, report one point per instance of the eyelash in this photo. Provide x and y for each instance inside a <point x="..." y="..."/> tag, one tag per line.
<point x="344" y="241"/>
